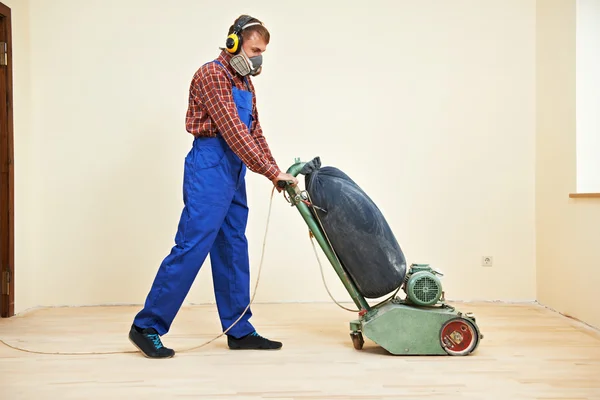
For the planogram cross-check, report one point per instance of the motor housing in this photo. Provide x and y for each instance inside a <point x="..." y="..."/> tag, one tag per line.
<point x="422" y="285"/>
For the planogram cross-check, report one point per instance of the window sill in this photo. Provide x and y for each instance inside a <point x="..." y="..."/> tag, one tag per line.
<point x="584" y="195"/>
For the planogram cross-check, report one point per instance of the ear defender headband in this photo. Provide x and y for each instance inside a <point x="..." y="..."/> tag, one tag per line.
<point x="234" y="41"/>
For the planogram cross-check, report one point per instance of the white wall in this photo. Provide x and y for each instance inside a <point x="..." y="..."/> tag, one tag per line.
<point x="567" y="229"/>
<point x="588" y="95"/>
<point x="428" y="105"/>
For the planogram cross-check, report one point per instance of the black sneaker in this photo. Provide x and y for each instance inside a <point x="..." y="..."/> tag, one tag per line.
<point x="148" y="342"/>
<point x="252" y="341"/>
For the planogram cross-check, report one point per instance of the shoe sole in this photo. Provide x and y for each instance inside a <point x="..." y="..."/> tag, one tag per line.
<point x="146" y="355"/>
<point x="253" y="348"/>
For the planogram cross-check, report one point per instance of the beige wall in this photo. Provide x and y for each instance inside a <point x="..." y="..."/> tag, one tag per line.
<point x="568" y="261"/>
<point x="428" y="105"/>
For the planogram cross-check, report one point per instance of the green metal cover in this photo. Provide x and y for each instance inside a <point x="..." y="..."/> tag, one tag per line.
<point x="407" y="330"/>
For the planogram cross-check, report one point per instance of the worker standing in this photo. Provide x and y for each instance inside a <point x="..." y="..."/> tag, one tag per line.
<point x="228" y="138"/>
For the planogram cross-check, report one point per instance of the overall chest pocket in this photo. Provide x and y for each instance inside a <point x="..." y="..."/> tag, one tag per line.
<point x="243" y="103"/>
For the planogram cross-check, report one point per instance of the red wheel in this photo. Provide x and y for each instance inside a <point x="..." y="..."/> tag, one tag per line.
<point x="458" y="337"/>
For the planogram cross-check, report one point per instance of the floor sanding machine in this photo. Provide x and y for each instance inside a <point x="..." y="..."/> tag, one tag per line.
<point x="359" y="244"/>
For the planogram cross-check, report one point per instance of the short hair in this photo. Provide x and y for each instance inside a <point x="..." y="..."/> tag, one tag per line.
<point x="259" y="29"/>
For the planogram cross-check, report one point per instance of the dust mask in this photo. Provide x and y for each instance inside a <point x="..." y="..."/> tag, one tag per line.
<point x="245" y="65"/>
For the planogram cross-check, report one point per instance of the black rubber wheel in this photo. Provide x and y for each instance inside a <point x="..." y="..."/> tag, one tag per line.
<point x="357" y="340"/>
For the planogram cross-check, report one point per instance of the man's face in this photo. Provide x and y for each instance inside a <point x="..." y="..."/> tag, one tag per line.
<point x="254" y="45"/>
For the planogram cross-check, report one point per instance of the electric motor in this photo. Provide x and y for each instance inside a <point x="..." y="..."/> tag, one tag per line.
<point x="422" y="286"/>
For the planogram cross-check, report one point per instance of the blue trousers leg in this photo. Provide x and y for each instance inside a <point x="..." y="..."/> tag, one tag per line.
<point x="231" y="267"/>
<point x="210" y="181"/>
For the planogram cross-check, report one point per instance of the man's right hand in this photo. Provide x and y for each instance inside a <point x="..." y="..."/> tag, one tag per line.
<point x="286" y="178"/>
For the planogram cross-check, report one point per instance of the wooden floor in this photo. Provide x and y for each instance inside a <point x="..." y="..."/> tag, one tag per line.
<point x="528" y="352"/>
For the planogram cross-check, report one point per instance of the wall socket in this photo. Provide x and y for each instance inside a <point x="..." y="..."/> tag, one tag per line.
<point x="487" y="261"/>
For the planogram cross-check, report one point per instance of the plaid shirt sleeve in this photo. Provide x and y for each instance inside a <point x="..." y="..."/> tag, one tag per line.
<point x="214" y="87"/>
<point x="257" y="132"/>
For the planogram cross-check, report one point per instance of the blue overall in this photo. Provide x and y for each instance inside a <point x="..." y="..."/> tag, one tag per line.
<point x="213" y="221"/>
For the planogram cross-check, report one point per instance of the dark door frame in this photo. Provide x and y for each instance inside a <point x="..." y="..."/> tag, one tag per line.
<point x="7" y="219"/>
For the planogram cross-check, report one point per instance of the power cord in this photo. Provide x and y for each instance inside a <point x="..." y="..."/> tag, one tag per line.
<point x="224" y="332"/>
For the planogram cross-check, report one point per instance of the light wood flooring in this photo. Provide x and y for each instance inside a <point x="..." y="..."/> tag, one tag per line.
<point x="529" y="352"/>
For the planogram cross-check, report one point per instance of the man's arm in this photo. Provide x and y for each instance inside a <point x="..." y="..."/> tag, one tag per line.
<point x="261" y="140"/>
<point x="215" y="88"/>
<point x="257" y="131"/>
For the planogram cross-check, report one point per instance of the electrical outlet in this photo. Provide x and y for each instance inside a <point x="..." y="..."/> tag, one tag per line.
<point x="487" y="261"/>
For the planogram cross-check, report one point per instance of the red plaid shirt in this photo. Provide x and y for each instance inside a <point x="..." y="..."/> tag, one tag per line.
<point x="211" y="108"/>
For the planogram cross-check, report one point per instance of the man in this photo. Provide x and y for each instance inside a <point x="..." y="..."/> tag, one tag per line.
<point x="228" y="139"/>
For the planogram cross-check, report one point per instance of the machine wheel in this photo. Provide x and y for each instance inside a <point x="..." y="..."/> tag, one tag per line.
<point x="357" y="340"/>
<point x="459" y="337"/>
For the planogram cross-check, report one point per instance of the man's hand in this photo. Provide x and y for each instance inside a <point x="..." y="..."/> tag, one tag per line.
<point x="286" y="178"/>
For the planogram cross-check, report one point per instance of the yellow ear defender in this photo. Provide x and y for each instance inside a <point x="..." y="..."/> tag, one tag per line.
<point x="234" y="41"/>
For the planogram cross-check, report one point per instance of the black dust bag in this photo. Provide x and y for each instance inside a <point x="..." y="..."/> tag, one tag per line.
<point x="357" y="230"/>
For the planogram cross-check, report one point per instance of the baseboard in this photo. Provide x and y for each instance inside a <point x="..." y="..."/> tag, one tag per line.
<point x="582" y="324"/>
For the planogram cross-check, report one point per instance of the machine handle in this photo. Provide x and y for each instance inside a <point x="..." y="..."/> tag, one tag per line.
<point x="282" y="184"/>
